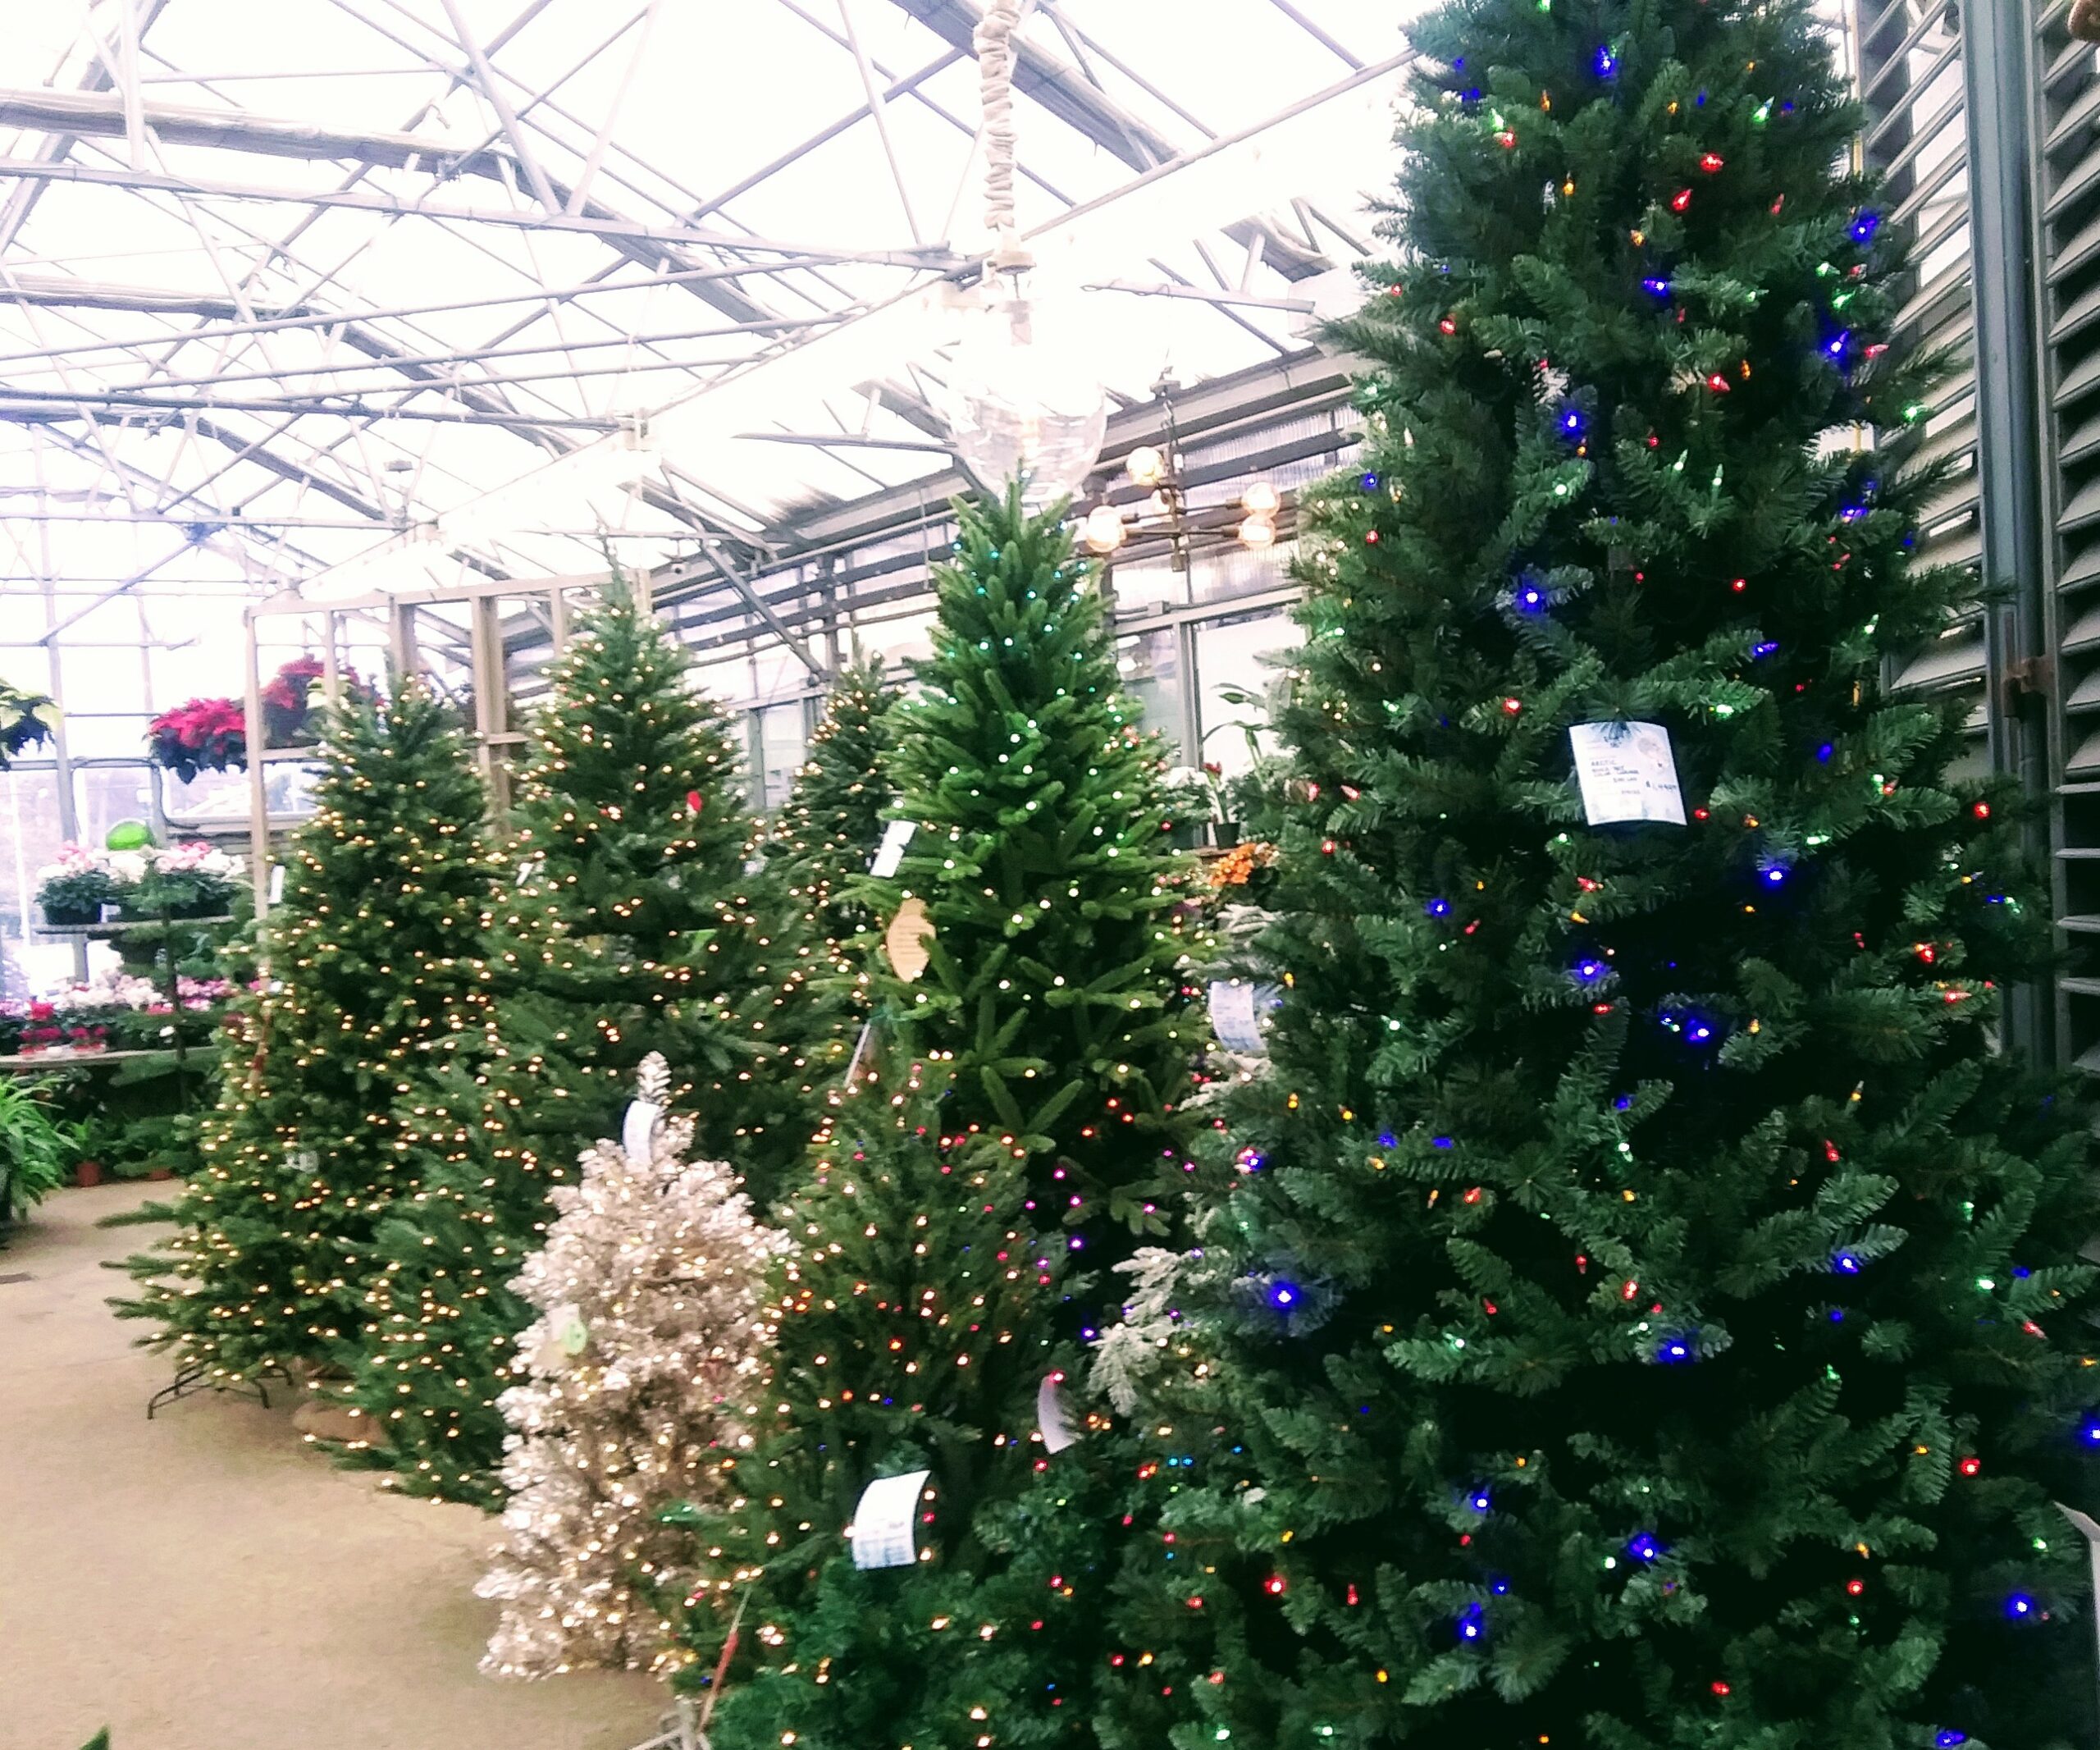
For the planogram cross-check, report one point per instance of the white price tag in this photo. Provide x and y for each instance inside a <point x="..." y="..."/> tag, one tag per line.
<point x="1236" y="1008"/>
<point x="2091" y="1532"/>
<point x="276" y="883"/>
<point x="1628" y="773"/>
<point x="1050" y="1415"/>
<point x="885" y="1520"/>
<point x="889" y="858"/>
<point x="638" y="1135"/>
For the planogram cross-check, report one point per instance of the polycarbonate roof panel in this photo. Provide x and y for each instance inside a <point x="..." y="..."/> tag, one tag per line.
<point x="281" y="279"/>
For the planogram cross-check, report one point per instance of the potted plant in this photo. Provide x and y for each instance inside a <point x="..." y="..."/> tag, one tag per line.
<point x="1188" y="797"/>
<point x="287" y="700"/>
<point x="34" y="1145"/>
<point x="184" y="881"/>
<point x="205" y="735"/>
<point x="25" y="718"/>
<point x="73" y="890"/>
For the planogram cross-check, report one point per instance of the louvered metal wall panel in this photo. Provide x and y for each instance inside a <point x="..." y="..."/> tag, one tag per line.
<point x="2067" y="194"/>
<point x="1907" y="60"/>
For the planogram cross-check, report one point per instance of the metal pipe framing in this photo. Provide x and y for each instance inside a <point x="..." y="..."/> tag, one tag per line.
<point x="20" y="404"/>
<point x="486" y="80"/>
<point x="64" y="293"/>
<point x="1995" y="42"/>
<point x="402" y="361"/>
<point x="931" y="258"/>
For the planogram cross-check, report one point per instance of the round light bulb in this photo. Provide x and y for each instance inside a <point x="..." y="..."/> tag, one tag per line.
<point x="1261" y="498"/>
<point x="1146" y="465"/>
<point x="1104" y="528"/>
<point x="1257" y="531"/>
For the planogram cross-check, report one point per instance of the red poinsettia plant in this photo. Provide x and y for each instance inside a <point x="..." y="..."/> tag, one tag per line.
<point x="205" y="735"/>
<point x="288" y="699"/>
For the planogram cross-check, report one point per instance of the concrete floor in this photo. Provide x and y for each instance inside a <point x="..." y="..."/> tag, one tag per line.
<point x="205" y="1581"/>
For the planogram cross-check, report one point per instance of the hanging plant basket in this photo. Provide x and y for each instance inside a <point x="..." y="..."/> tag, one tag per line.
<point x="25" y="719"/>
<point x="205" y="735"/>
<point x="289" y="716"/>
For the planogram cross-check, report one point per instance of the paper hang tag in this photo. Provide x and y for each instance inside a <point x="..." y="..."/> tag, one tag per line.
<point x="528" y="871"/>
<point x="889" y="857"/>
<point x="638" y="1135"/>
<point x="1626" y="772"/>
<point x="906" y="941"/>
<point x="2091" y="1532"/>
<point x="860" y="1050"/>
<point x="884" y="1523"/>
<point x="564" y="1337"/>
<point x="1236" y="1011"/>
<point x="1050" y="1415"/>
<point x="276" y="883"/>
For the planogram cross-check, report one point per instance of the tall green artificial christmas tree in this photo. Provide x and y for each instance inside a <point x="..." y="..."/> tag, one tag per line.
<point x="1018" y="1118"/>
<point x="632" y="928"/>
<point x="1042" y="862"/>
<point x="1647" y="1314"/>
<point x="379" y="992"/>
<point x="833" y="823"/>
<point x="917" y="1315"/>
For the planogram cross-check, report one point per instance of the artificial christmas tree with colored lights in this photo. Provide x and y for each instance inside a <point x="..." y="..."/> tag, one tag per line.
<point x="634" y="1384"/>
<point x="1645" y="1313"/>
<point x="833" y="823"/>
<point x="632" y="928"/>
<point x="330" y="1114"/>
<point x="1019" y="1123"/>
<point x="918" y="1313"/>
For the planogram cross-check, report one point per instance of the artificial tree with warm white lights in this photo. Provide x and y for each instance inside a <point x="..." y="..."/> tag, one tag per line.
<point x="1644" y="1312"/>
<point x="833" y="822"/>
<point x="332" y="1114"/>
<point x="634" y="1395"/>
<point x="633" y="927"/>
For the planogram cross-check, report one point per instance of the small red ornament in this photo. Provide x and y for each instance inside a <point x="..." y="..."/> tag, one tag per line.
<point x="1511" y="706"/>
<point x="1971" y="1466"/>
<point x="1855" y="1587"/>
<point x="1448" y="325"/>
<point x="1981" y="811"/>
<point x="1681" y="201"/>
<point x="1718" y="1688"/>
<point x="1275" y="1586"/>
<point x="1740" y="585"/>
<point x="1712" y="163"/>
<point x="695" y="801"/>
<point x="1719" y="384"/>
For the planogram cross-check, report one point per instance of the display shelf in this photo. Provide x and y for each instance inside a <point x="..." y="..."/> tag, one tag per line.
<point x="15" y="1064"/>
<point x="98" y="931"/>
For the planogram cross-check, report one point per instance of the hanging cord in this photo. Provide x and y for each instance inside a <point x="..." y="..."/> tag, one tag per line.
<point x="993" y="42"/>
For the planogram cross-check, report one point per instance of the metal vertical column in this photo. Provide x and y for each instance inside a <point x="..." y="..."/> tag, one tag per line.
<point x="1996" y="45"/>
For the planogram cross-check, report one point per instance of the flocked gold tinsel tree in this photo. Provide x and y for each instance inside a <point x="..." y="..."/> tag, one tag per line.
<point x="637" y="1375"/>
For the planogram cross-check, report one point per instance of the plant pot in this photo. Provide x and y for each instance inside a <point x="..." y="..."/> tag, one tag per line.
<point x="160" y="1172"/>
<point x="71" y="917"/>
<point x="86" y="1173"/>
<point x="1184" y="836"/>
<point x="1225" y="835"/>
